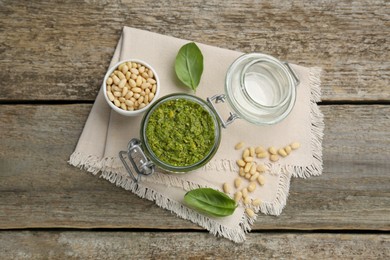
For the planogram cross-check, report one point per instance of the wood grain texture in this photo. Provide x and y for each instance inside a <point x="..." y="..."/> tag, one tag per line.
<point x="38" y="189"/>
<point x="59" y="50"/>
<point x="174" y="245"/>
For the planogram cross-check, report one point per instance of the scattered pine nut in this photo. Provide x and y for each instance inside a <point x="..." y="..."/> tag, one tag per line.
<point x="248" y="176"/>
<point x="250" y="212"/>
<point x="252" y="186"/>
<point x="247" y="200"/>
<point x="272" y="150"/>
<point x="261" y="180"/>
<point x="254" y="176"/>
<point x="241" y="172"/>
<point x="282" y="152"/>
<point x="226" y="188"/>
<point x="248" y="167"/>
<point x="256" y="202"/>
<point x="239" y="145"/>
<point x="260" y="168"/>
<point x="244" y="192"/>
<point x="245" y="153"/>
<point x="287" y="149"/>
<point x="253" y="169"/>
<point x="241" y="163"/>
<point x="295" y="145"/>
<point x="237" y="183"/>
<point x="238" y="196"/>
<point x="262" y="155"/>
<point x="248" y="159"/>
<point x="252" y="151"/>
<point x="259" y="149"/>
<point x="274" y="157"/>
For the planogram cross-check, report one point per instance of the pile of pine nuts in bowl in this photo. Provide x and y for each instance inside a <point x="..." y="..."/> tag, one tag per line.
<point x="130" y="86"/>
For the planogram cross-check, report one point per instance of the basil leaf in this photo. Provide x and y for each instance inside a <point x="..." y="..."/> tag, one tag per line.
<point x="189" y="65"/>
<point x="210" y="202"/>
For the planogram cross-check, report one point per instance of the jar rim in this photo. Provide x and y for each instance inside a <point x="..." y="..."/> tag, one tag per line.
<point x="180" y="169"/>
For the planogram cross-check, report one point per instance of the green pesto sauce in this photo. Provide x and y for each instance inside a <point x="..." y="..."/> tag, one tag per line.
<point x="180" y="132"/>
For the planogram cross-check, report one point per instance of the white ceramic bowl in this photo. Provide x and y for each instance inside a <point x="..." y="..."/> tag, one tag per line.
<point x="127" y="112"/>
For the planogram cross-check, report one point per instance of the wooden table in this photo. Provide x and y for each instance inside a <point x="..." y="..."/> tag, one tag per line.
<point x="53" y="58"/>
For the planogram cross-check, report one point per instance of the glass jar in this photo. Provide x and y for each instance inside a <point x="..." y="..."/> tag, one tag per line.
<point x="259" y="88"/>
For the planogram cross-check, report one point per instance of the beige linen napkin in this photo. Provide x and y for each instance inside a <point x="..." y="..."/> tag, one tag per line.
<point x="106" y="133"/>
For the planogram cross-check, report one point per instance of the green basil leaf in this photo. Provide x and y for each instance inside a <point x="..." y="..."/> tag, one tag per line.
<point x="210" y="202"/>
<point x="189" y="65"/>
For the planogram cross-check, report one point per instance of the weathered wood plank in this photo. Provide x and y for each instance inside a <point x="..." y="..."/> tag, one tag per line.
<point x="60" y="51"/>
<point x="173" y="245"/>
<point x="39" y="189"/>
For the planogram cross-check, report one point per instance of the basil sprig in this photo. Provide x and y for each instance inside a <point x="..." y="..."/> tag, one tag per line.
<point x="210" y="202"/>
<point x="189" y="65"/>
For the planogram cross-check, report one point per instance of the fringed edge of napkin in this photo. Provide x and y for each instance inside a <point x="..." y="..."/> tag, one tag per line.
<point x="317" y="129"/>
<point x="94" y="165"/>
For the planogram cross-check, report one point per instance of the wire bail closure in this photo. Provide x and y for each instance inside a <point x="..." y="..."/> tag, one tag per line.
<point x="139" y="162"/>
<point x="218" y="99"/>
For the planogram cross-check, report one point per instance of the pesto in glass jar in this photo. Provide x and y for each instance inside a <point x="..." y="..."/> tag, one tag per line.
<point x="180" y="132"/>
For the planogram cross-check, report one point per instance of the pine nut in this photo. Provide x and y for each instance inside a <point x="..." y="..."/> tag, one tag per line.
<point x="241" y="172"/>
<point x="239" y="145"/>
<point x="124" y="91"/>
<point x="239" y="162"/>
<point x="117" y="94"/>
<point x="250" y="212"/>
<point x="123" y="106"/>
<point x="252" y="151"/>
<point x="259" y="149"/>
<point x="247" y="200"/>
<point x="262" y="155"/>
<point x="274" y="157"/>
<point x="245" y="153"/>
<point x="237" y="183"/>
<point x="260" y="168"/>
<point x="110" y="96"/>
<point x="272" y="150"/>
<point x="136" y="90"/>
<point x="125" y="69"/>
<point x="116" y="79"/>
<point x="247" y="176"/>
<point x="109" y="81"/>
<point x="261" y="180"/>
<point x="295" y="145"/>
<point x="253" y="169"/>
<point x="134" y="71"/>
<point x="122" y="83"/>
<point x="151" y="81"/>
<point x="238" y="196"/>
<point x="254" y="176"/>
<point x="256" y="202"/>
<point x="139" y="81"/>
<point x="251" y="186"/>
<point x="226" y="188"/>
<point x="282" y="152"/>
<point x="129" y="103"/>
<point x="247" y="167"/>
<point x="248" y="159"/>
<point x="117" y="103"/>
<point x="244" y="192"/>
<point x="121" y="75"/>
<point x="287" y="149"/>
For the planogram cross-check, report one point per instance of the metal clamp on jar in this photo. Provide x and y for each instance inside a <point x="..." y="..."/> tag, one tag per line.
<point x="259" y="88"/>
